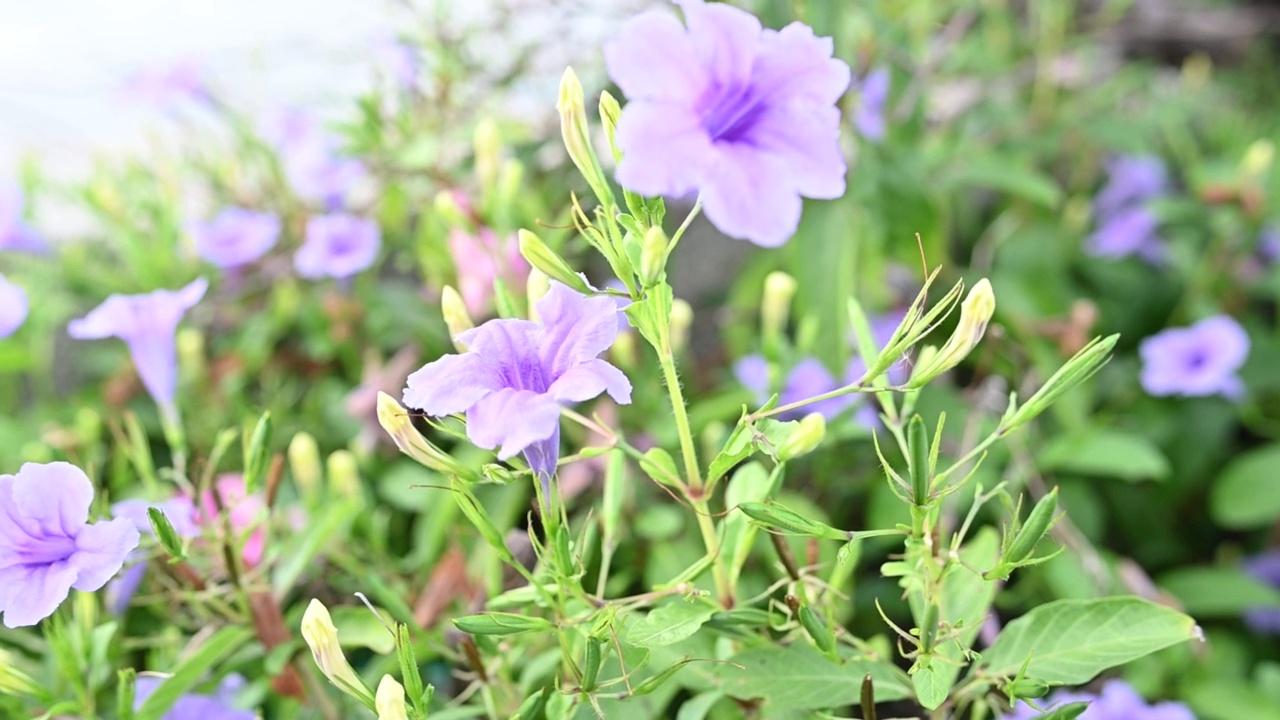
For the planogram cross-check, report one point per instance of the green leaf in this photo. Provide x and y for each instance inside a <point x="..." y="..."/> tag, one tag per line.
<point x="736" y="449"/>
<point x="670" y="623"/>
<point x="798" y="677"/>
<point x="1106" y="453"/>
<point x="187" y="674"/>
<point x="932" y="684"/>
<point x="1212" y="592"/>
<point x="1247" y="493"/>
<point x="1066" y="712"/>
<point x="359" y="628"/>
<point x="1008" y="176"/>
<point x="1070" y="641"/>
<point x="652" y="315"/>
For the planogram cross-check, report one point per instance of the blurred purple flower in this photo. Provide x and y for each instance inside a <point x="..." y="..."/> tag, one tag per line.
<point x="1266" y="568"/>
<point x="312" y="164"/>
<point x="809" y="378"/>
<point x="1125" y="225"/>
<point x="47" y="546"/>
<point x="235" y="237"/>
<point x="218" y="706"/>
<point x="148" y="325"/>
<point x="13" y="307"/>
<point x="482" y="258"/>
<point x="400" y="60"/>
<point x="180" y="513"/>
<point x="516" y="374"/>
<point x="743" y="115"/>
<point x="869" y="118"/>
<point x="1117" y="701"/>
<point x="1269" y="242"/>
<point x="1195" y="361"/>
<point x="337" y="246"/>
<point x="168" y="86"/>
<point x="15" y="234"/>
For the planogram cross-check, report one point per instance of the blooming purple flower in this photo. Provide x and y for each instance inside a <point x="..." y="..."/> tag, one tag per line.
<point x="235" y="237"/>
<point x="310" y="159"/>
<point x="13" y="307"/>
<point x="148" y="325"/>
<point x="870" y="116"/>
<point x="181" y="515"/>
<point x="47" y="546"/>
<point x="1266" y="568"/>
<point x="743" y="115"/>
<point x="1117" y="701"/>
<point x="218" y="706"/>
<point x="1125" y="225"/>
<point x="167" y="86"/>
<point x="1195" y="361"/>
<point x="480" y="259"/>
<point x="337" y="246"/>
<point x="809" y="378"/>
<point x="15" y="233"/>
<point x="516" y="374"/>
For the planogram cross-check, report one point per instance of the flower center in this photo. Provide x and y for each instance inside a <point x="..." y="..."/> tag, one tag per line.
<point x="731" y="111"/>
<point x="45" y="551"/>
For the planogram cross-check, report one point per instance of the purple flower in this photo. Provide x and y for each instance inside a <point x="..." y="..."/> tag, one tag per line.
<point x="166" y="87"/>
<point x="1266" y="568"/>
<point x="180" y="513"/>
<point x="516" y="373"/>
<point x="47" y="546"/>
<point x="13" y="307"/>
<point x="15" y="234"/>
<point x="1129" y="232"/>
<point x="310" y="159"/>
<point x="1195" y="361"/>
<point x="337" y="246"/>
<point x="1131" y="180"/>
<point x="1117" y="701"/>
<point x="235" y="237"/>
<point x="870" y="116"/>
<point x="1269" y="242"/>
<point x="399" y="60"/>
<point x="743" y="115"/>
<point x="1125" y="225"/>
<point x="148" y="325"/>
<point x="197" y="707"/>
<point x="809" y="378"/>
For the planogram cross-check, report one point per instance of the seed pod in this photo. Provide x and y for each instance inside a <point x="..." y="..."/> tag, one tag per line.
<point x="778" y="518"/>
<point x="918" y="444"/>
<point x="817" y="629"/>
<point x="496" y="623"/>
<point x="591" y="660"/>
<point x="1035" y="528"/>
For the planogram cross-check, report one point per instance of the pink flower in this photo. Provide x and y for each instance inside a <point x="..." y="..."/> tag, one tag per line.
<point x="245" y="512"/>
<point x="482" y="258"/>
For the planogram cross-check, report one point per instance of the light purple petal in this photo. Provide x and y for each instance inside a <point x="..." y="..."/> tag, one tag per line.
<point x="576" y="328"/>
<point x="13" y="307"/>
<point x="31" y="593"/>
<point x="543" y="456"/>
<point x="749" y="196"/>
<point x="235" y="237"/>
<point x="1123" y="234"/>
<point x="1133" y="179"/>
<point x="726" y="39"/>
<point x="100" y="552"/>
<point x="809" y="140"/>
<point x="511" y="420"/>
<point x="653" y="58"/>
<point x="752" y="372"/>
<point x="338" y="246"/>
<point x="452" y="384"/>
<point x="53" y="498"/>
<point x="119" y="592"/>
<point x="588" y="380"/>
<point x="797" y="66"/>
<point x="666" y="149"/>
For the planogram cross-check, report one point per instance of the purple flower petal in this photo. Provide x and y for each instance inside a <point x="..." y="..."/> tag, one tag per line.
<point x="13" y="307"/>
<point x="511" y="420"/>
<point x="235" y="237"/>
<point x="1125" y="233"/>
<point x="338" y="246"/>
<point x="576" y="328"/>
<point x="653" y="57"/>
<point x="750" y="195"/>
<point x="452" y="384"/>
<point x="668" y="151"/>
<point x="589" y="379"/>
<point x="100" y="552"/>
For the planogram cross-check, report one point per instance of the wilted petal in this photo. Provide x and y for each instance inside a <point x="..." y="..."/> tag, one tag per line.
<point x="588" y="380"/>
<point x="652" y="57"/>
<point x="451" y="384"/>
<point x="750" y="197"/>
<point x="511" y="420"/>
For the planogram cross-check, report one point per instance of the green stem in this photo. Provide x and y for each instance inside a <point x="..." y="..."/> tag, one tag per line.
<point x="858" y="387"/>
<point x="688" y="220"/>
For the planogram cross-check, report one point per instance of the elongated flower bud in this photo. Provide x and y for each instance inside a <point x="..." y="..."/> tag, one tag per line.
<point x="322" y="637"/>
<point x="395" y="420"/>
<point x="775" y="306"/>
<point x="456" y="317"/>
<point x="545" y="259"/>
<point x="304" y="462"/>
<point x="780" y="519"/>
<point x="1034" y="529"/>
<point x="343" y="472"/>
<point x="817" y="629"/>
<point x="975" y="313"/>
<point x="535" y="286"/>
<point x="653" y="256"/>
<point x="681" y="320"/>
<point x="389" y="701"/>
<point x="446" y="206"/>
<point x="577" y="136"/>
<point x="487" y="146"/>
<point x="610" y="113"/>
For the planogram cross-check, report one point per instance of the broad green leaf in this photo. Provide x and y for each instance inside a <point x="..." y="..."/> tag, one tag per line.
<point x="932" y="684"/>
<point x="1070" y="641"/>
<point x="669" y="623"/>
<point x="798" y="677"/>
<point x="191" y="671"/>
<point x="1218" y="591"/>
<point x="1247" y="493"/>
<point x="1009" y="176"/>
<point x="697" y="707"/>
<point x="1229" y="699"/>
<point x="736" y="449"/>
<point x="1106" y="453"/>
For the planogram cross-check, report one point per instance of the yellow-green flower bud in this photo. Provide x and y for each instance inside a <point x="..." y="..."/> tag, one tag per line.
<point x="780" y="519"/>
<point x="975" y="313"/>
<point x="1034" y="529"/>
<point x="545" y="259"/>
<point x="807" y="436"/>
<point x="456" y="317"/>
<point x="344" y="473"/>
<point x="447" y="208"/>
<point x="775" y="307"/>
<point x="487" y="146"/>
<point x="1258" y="158"/>
<point x="610" y="113"/>
<point x="304" y="462"/>
<point x="577" y="136"/>
<point x="681" y="320"/>
<point x="535" y="286"/>
<point x="395" y="420"/>
<point x="653" y="257"/>
<point x="389" y="701"/>
<point x="190" y="343"/>
<point x="322" y="637"/>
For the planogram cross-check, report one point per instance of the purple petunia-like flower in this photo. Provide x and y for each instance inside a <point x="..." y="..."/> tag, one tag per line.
<point x="1117" y="701"/>
<point x="47" y="546"/>
<point x="1126" y="226"/>
<point x="743" y="115"/>
<point x="15" y="234"/>
<point x="148" y="325"/>
<point x="218" y="706"/>
<point x="870" y="116"/>
<point x="235" y="237"/>
<point x="1199" y="360"/>
<point x="1266" y="568"/>
<point x="309" y="156"/>
<point x="516" y="374"/>
<point x="13" y="307"/>
<point x="337" y="246"/>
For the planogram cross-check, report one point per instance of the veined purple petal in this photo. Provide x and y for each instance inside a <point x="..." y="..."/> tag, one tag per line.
<point x="725" y="38"/>
<point x="576" y="328"/>
<point x="588" y="380"/>
<point x="452" y="384"/>
<point x="668" y="152"/>
<point x="511" y="420"/>
<point x="653" y="57"/>
<point x="750" y="195"/>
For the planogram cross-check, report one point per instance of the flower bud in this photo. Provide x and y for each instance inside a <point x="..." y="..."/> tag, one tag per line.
<point x="487" y="146"/>
<point x="322" y="637"/>
<point x="681" y="320"/>
<point x="343" y="473"/>
<point x="536" y="285"/>
<point x="538" y="255"/>
<point x="807" y="436"/>
<point x="975" y="313"/>
<point x="389" y="701"/>
<point x="395" y="420"/>
<point x="15" y="682"/>
<point x="447" y="208"/>
<point x="190" y="344"/>
<point x="777" y="518"/>
<point x="256" y="452"/>
<point x="304" y="461"/>
<point x="1257" y="159"/>
<point x="653" y="257"/>
<point x="775" y="308"/>
<point x="501" y="624"/>
<point x="456" y="317"/>
<point x="577" y="136"/>
<point x="1034" y="529"/>
<point x="610" y="113"/>
<point x="165" y="533"/>
<point x="591" y="660"/>
<point x="1079" y="368"/>
<point x="817" y="629"/>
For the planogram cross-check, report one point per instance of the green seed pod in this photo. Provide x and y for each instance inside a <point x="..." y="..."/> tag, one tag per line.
<point x="495" y="623"/>
<point x="775" y="517"/>
<point x="591" y="660"/>
<point x="1035" y="528"/>
<point x="165" y="533"/>
<point x="1026" y="688"/>
<point x="256" y="453"/>
<point x="817" y="629"/>
<point x="929" y="628"/>
<point x="918" y="444"/>
<point x="533" y="707"/>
